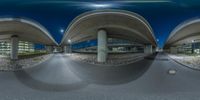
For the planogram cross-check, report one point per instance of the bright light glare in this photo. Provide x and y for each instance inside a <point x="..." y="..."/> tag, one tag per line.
<point x="145" y="1"/>
<point x="100" y="5"/>
<point x="69" y="41"/>
<point x="61" y="30"/>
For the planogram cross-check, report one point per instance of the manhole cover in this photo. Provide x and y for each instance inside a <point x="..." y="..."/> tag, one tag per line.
<point x="172" y="71"/>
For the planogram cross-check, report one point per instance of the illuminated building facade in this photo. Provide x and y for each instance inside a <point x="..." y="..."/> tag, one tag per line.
<point x="23" y="47"/>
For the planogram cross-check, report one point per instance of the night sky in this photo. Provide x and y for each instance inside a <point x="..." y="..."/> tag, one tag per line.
<point x="55" y="15"/>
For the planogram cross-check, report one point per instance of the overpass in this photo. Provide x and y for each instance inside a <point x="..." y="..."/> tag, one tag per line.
<point x="184" y="34"/>
<point x="101" y="24"/>
<point x="22" y="29"/>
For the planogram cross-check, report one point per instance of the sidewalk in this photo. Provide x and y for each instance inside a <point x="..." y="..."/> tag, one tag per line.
<point x="9" y="65"/>
<point x="188" y="61"/>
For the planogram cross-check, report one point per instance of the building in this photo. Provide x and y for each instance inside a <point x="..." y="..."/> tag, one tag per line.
<point x="114" y="46"/>
<point x="23" y="47"/>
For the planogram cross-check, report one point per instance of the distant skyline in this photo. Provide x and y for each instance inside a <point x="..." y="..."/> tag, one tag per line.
<point x="163" y="15"/>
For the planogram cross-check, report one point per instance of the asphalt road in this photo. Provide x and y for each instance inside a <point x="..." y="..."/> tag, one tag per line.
<point x="61" y="78"/>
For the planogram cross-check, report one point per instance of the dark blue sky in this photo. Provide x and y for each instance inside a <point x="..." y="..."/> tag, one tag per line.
<point x="163" y="15"/>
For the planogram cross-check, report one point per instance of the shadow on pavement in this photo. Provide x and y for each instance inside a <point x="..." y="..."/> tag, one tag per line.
<point x="90" y="74"/>
<point x="111" y="75"/>
<point x="160" y="58"/>
<point x="30" y="82"/>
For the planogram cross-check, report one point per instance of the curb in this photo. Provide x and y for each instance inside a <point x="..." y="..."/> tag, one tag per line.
<point x="136" y="59"/>
<point x="30" y="66"/>
<point x="182" y="63"/>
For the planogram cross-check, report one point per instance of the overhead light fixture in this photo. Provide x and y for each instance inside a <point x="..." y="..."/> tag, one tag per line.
<point x="69" y="41"/>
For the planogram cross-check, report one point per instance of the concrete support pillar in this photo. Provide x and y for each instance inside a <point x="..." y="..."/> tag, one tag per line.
<point x="49" y="49"/>
<point x="14" y="47"/>
<point x="102" y="46"/>
<point x="70" y="48"/>
<point x="148" y="49"/>
<point x="173" y="50"/>
<point x="67" y="49"/>
<point x="153" y="49"/>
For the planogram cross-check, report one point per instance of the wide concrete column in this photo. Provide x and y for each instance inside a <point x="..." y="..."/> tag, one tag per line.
<point x="153" y="49"/>
<point x="173" y="50"/>
<point x="49" y="49"/>
<point x="66" y="49"/>
<point x="14" y="47"/>
<point x="148" y="49"/>
<point x="102" y="46"/>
